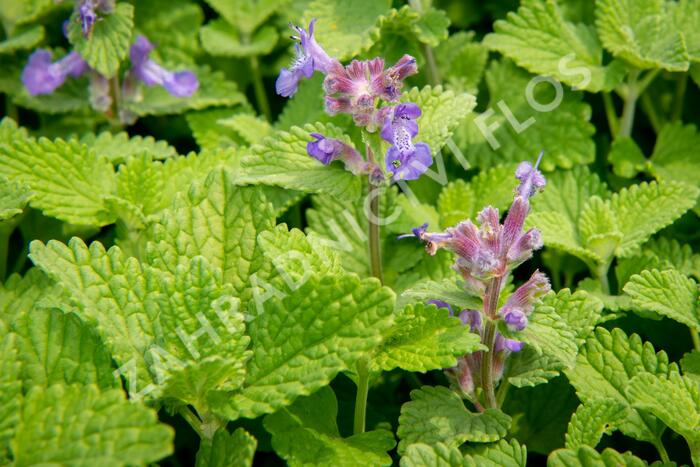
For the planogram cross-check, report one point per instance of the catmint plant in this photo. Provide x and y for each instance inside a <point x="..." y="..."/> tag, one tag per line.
<point x="485" y="256"/>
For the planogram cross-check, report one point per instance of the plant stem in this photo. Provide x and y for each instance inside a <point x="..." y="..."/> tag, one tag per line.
<point x="375" y="257"/>
<point x="502" y="392"/>
<point x="650" y="109"/>
<point x="601" y="272"/>
<point x="433" y="72"/>
<point x="361" y="397"/>
<point x="613" y="122"/>
<point x="190" y="417"/>
<point x="695" y="337"/>
<point x="662" y="451"/>
<point x="627" y="119"/>
<point x="491" y="295"/>
<point x="259" y="87"/>
<point x="681" y="85"/>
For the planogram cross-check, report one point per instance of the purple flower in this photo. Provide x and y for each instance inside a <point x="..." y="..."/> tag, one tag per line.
<point x="179" y="84"/>
<point x="503" y="343"/>
<point x="441" y="304"/>
<point x="408" y="166"/>
<point x="88" y="9"/>
<point x="522" y="302"/>
<point x="531" y="179"/>
<point x="400" y="127"/>
<point x="416" y="232"/>
<point x="310" y="57"/>
<point x="326" y="150"/>
<point x="41" y="76"/>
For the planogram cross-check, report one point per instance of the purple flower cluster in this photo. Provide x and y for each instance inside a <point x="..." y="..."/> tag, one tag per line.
<point x="484" y="256"/>
<point x="359" y="89"/>
<point x="43" y="76"/>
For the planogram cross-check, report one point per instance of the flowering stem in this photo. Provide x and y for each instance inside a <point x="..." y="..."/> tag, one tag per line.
<point x="493" y="292"/>
<point x="361" y="397"/>
<point x="259" y="87"/>
<point x="375" y="257"/>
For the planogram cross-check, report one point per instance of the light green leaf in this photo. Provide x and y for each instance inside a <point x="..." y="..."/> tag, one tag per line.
<point x="598" y="229"/>
<point x="642" y="33"/>
<point x="540" y="39"/>
<point x="425" y="338"/>
<point x="674" y="156"/>
<point x="660" y="253"/>
<point x="586" y="456"/>
<point x="65" y="177"/>
<point x="246" y="15"/>
<point x="432" y="455"/>
<point x="686" y="14"/>
<point x="306" y="434"/>
<point x="219" y="221"/>
<point x="109" y="42"/>
<point x="443" y="111"/>
<point x="528" y="368"/>
<point x="436" y="414"/>
<point x="173" y="25"/>
<point x="58" y="348"/>
<point x="668" y="293"/>
<point x="220" y="38"/>
<point x="450" y="290"/>
<point x="10" y="389"/>
<point x="626" y="157"/>
<point x="17" y="13"/>
<point x="580" y="310"/>
<point x="282" y="160"/>
<point x="251" y="128"/>
<point x="22" y="40"/>
<point x="644" y="209"/>
<point x="462" y="61"/>
<point x="675" y="400"/>
<point x="344" y="29"/>
<point x="214" y="91"/>
<point x="78" y="425"/>
<point x="431" y="27"/>
<point x="501" y="454"/>
<point x="226" y="449"/>
<point x="690" y="363"/>
<point x="604" y="368"/>
<point x="592" y="420"/>
<point x="550" y="335"/>
<point x="460" y="200"/>
<point x="14" y="196"/>
<point x="120" y="147"/>
<point x="209" y="133"/>
<point x="531" y="116"/>
<point x="321" y="328"/>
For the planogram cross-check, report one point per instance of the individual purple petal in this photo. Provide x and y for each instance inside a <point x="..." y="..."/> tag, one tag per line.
<point x="408" y="166"/>
<point x="441" y="304"/>
<point x="524" y="246"/>
<point x="531" y="179"/>
<point x="503" y="343"/>
<point x="514" y="221"/>
<point x="400" y="126"/>
<point x="416" y="232"/>
<point x="323" y="149"/>
<point x="321" y="60"/>
<point x="525" y="296"/>
<point x="515" y="319"/>
<point x="40" y="76"/>
<point x="179" y="84"/>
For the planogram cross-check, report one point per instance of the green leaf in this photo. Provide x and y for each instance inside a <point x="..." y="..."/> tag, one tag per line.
<point x="252" y="129"/>
<point x="214" y="91"/>
<point x="282" y="160"/>
<point x="580" y="310"/>
<point x="642" y="33"/>
<point x="226" y="449"/>
<point x="598" y="229"/>
<point x="220" y="38"/>
<point x="10" y="389"/>
<point x="528" y="368"/>
<point x="516" y="129"/>
<point x="306" y="433"/>
<point x="321" y="328"/>
<point x="589" y="457"/>
<point x="504" y="453"/>
<point x="460" y="200"/>
<point x="626" y="157"/>
<point x="72" y="96"/>
<point x="674" y="157"/>
<point x="675" y="400"/>
<point x="450" y="290"/>
<point x="540" y="39"/>
<point x="438" y="415"/>
<point x="550" y="335"/>
<point x="65" y="177"/>
<point x="592" y="420"/>
<point x="209" y="133"/>
<point x="425" y="338"/>
<point x="307" y="106"/>
<point x="120" y="147"/>
<point x="604" y="368"/>
<point x="462" y="61"/>
<point x="443" y="111"/>
<point x="17" y="13"/>
<point x="431" y="27"/>
<point x="246" y="15"/>
<point x="668" y="293"/>
<point x="644" y="209"/>
<point x="79" y="425"/>
<point x="173" y="25"/>
<point x="14" y="196"/>
<point x="344" y="29"/>
<point x="58" y="348"/>
<point x="109" y="42"/>
<point x="432" y="455"/>
<point x="687" y="19"/>
<point x="23" y="40"/>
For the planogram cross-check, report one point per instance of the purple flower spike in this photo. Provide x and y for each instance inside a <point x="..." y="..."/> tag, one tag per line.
<point x="323" y="149"/>
<point x="41" y="76"/>
<point x="408" y="166"/>
<point x="531" y="179"/>
<point x="310" y="57"/>
<point x="178" y="84"/>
